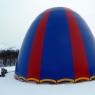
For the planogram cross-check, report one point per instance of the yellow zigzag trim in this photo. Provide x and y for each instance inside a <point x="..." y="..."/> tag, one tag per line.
<point x="48" y="80"/>
<point x="55" y="81"/>
<point x="65" y="79"/>
<point x="19" y="77"/>
<point x="33" y="79"/>
<point x="81" y="78"/>
<point x="93" y="77"/>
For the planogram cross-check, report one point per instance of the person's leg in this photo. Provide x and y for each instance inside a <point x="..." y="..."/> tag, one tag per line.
<point x="3" y="73"/>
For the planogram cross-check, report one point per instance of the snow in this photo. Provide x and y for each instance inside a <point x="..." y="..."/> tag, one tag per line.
<point x="4" y="46"/>
<point x="11" y="86"/>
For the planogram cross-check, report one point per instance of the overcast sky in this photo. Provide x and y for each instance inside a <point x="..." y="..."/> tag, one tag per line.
<point x="17" y="15"/>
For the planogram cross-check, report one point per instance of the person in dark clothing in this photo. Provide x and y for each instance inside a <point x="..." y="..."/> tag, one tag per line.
<point x="3" y="71"/>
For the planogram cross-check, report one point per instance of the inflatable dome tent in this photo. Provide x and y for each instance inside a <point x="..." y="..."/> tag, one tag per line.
<point x="58" y="47"/>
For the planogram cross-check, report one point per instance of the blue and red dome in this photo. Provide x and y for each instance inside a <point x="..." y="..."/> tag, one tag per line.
<point x="58" y="46"/>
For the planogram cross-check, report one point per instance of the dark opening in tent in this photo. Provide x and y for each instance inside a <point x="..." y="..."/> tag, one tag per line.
<point x="58" y="46"/>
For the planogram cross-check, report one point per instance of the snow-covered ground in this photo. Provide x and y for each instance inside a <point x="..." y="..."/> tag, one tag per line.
<point x="10" y="86"/>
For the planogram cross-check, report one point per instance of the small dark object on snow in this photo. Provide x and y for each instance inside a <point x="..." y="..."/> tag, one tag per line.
<point x="3" y="72"/>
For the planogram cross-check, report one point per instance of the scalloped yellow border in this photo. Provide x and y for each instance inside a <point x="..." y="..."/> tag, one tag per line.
<point x="65" y="79"/>
<point x="93" y="77"/>
<point x="55" y="81"/>
<point x="48" y="80"/>
<point x="82" y="78"/>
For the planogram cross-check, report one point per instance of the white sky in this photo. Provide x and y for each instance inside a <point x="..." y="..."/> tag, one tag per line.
<point x="17" y="15"/>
